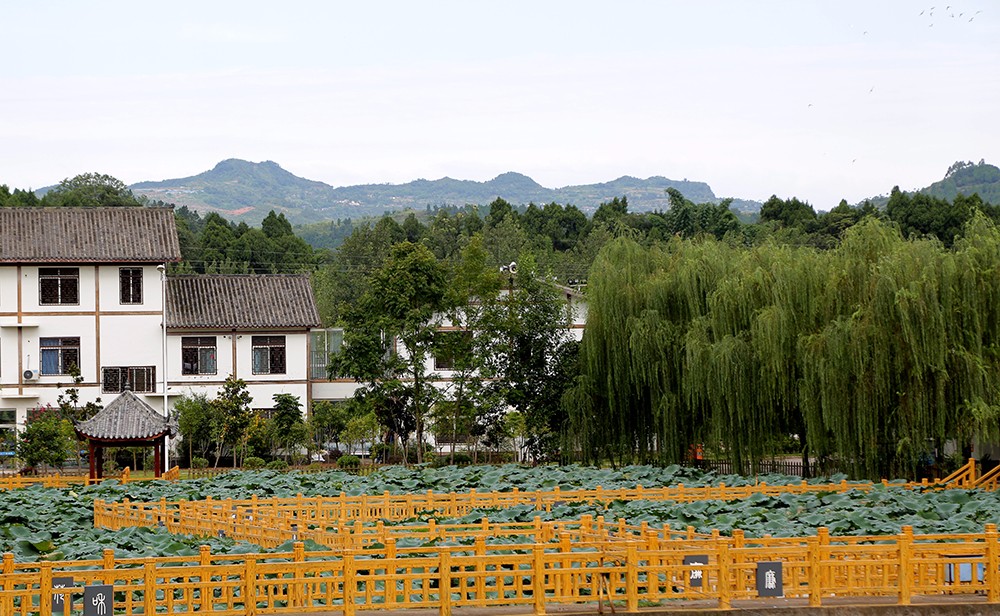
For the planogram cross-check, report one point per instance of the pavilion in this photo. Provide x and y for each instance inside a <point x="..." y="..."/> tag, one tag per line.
<point x="126" y="421"/>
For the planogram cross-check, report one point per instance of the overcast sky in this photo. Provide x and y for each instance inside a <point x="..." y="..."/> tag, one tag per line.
<point x="819" y="100"/>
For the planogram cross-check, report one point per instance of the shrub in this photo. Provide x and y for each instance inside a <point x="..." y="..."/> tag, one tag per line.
<point x="253" y="462"/>
<point x="348" y="462"/>
<point x="277" y="465"/>
<point x="111" y="467"/>
<point x="315" y="467"/>
<point x="444" y="459"/>
<point x="197" y="462"/>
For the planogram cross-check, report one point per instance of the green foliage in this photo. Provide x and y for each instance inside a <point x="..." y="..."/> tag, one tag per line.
<point x="253" y="462"/>
<point x="194" y="415"/>
<point x="91" y="190"/>
<point x="54" y="524"/>
<point x="288" y="428"/>
<point x="327" y="422"/>
<point x="231" y="418"/>
<point x="199" y="463"/>
<point x="277" y="465"/>
<point x="47" y="438"/>
<point x="348" y="462"/>
<point x="405" y="297"/>
<point x="868" y="352"/>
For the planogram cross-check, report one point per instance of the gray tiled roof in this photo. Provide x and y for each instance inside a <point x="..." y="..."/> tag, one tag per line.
<point x="126" y="418"/>
<point x="241" y="301"/>
<point x="88" y="234"/>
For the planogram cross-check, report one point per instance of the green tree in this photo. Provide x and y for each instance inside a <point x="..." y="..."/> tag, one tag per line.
<point x="231" y="418"/>
<point x="327" y="421"/>
<point x="288" y="427"/>
<point x="474" y="287"/>
<point x="525" y="333"/>
<point x="91" y="190"/>
<point x="401" y="306"/>
<point x="47" y="438"/>
<point x="194" y="420"/>
<point x="787" y="213"/>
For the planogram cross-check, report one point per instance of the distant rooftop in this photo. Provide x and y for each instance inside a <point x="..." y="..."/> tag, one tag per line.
<point x="88" y="235"/>
<point x="229" y="301"/>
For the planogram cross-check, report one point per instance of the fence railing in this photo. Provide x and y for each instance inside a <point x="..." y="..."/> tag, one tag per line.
<point x="339" y="511"/>
<point x="656" y="570"/>
<point x="13" y="482"/>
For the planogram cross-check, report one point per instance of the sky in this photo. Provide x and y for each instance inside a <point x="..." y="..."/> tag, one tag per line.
<point x="818" y="100"/>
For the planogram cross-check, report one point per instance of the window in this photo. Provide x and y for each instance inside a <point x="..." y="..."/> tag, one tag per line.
<point x="137" y="378"/>
<point x="268" y="354"/>
<point x="198" y="355"/>
<point x="8" y="432"/>
<point x="59" y="354"/>
<point x="324" y="343"/>
<point x="449" y="345"/>
<point x="58" y="285"/>
<point x="130" y="285"/>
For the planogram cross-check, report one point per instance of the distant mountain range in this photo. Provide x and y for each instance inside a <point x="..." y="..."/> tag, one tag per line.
<point x="243" y="190"/>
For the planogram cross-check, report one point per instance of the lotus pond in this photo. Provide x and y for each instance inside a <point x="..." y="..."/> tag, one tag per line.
<point x="57" y="523"/>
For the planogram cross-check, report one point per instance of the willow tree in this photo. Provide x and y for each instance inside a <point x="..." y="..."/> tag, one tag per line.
<point x="873" y="353"/>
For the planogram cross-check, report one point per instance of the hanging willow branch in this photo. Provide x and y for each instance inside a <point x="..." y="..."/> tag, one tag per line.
<point x="874" y="352"/>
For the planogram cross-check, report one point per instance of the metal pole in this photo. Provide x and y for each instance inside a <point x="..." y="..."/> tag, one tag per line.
<point x="163" y="323"/>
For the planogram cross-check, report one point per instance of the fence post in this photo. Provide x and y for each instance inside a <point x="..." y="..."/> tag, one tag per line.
<point x="815" y="577"/>
<point x="444" y="583"/>
<point x="992" y="578"/>
<point x="631" y="578"/>
<point x="538" y="578"/>
<point x="108" y="564"/>
<point x="350" y="583"/>
<point x="149" y="586"/>
<point x="44" y="589"/>
<point x="390" y="570"/>
<point x="297" y="584"/>
<point x="250" y="585"/>
<point x="8" y="567"/>
<point x="722" y="552"/>
<point x="904" y="542"/>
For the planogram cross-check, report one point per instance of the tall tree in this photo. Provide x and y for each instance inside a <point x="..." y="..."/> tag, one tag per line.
<point x="90" y="190"/>
<point x="527" y="330"/>
<point x="402" y="306"/>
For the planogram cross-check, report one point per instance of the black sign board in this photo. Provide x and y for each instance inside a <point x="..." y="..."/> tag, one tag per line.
<point x="769" y="579"/>
<point x="60" y="600"/>
<point x="99" y="600"/>
<point x="696" y="576"/>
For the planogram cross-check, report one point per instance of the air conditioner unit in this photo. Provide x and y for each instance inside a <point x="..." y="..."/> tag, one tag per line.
<point x="30" y="375"/>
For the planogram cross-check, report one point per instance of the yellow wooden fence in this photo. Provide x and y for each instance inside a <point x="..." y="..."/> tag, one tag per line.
<point x="632" y="571"/>
<point x="13" y="482"/>
<point x="343" y="510"/>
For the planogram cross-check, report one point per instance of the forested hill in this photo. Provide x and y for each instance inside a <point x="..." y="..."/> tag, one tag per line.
<point x="247" y="191"/>
<point x="967" y="179"/>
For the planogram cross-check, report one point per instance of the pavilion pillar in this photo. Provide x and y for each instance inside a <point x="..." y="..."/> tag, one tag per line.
<point x="157" y="457"/>
<point x="100" y="461"/>
<point x="90" y="450"/>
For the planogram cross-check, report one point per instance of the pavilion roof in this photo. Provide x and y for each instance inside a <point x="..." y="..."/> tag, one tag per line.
<point x="127" y="417"/>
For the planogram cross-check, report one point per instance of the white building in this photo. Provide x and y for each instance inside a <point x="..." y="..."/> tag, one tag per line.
<point x="83" y="287"/>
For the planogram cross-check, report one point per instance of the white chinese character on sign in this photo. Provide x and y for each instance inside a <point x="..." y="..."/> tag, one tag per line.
<point x="98" y="601"/>
<point x="770" y="580"/>
<point x="58" y="598"/>
<point x="696" y="573"/>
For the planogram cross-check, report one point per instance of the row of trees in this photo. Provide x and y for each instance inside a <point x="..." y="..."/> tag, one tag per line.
<point x="227" y="425"/>
<point x="502" y="334"/>
<point x="875" y="352"/>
